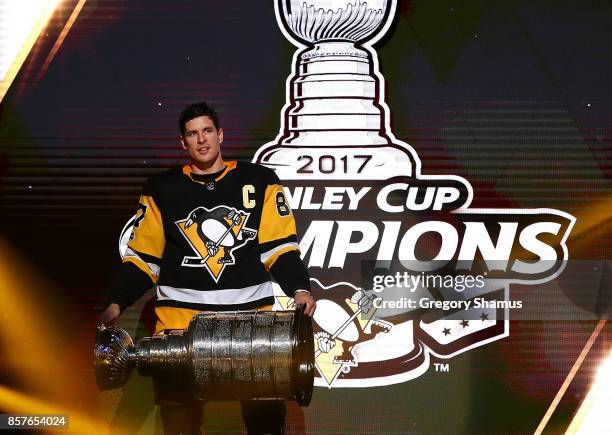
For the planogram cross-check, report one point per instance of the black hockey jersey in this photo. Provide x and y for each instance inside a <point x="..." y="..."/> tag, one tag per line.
<point x="208" y="242"/>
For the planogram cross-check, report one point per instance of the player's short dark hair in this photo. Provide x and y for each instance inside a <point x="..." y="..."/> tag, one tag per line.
<point x="196" y="110"/>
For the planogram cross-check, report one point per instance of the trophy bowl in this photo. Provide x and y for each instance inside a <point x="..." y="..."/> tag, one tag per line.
<point x="312" y="21"/>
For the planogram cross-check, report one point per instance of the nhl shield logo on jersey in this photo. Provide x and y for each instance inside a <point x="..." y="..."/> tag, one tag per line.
<point x="214" y="234"/>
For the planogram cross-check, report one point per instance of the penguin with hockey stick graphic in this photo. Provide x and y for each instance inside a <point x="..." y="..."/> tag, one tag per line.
<point x="214" y="234"/>
<point x="351" y="331"/>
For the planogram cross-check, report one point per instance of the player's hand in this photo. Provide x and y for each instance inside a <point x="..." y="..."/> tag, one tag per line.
<point x="110" y="314"/>
<point x="304" y="297"/>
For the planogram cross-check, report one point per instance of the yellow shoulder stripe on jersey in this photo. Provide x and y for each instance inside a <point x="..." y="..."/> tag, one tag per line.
<point x="148" y="233"/>
<point x="229" y="165"/>
<point x="271" y="259"/>
<point x="139" y="263"/>
<point x="276" y="216"/>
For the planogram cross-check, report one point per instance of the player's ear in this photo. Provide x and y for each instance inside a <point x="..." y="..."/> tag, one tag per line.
<point x="220" y="133"/>
<point x="183" y="143"/>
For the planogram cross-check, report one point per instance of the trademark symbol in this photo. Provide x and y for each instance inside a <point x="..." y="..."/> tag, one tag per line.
<point x="441" y="367"/>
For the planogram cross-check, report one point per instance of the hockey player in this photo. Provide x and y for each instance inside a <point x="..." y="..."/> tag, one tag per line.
<point x="208" y="236"/>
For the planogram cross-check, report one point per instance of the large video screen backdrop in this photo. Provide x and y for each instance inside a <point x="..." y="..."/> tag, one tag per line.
<point x="512" y="96"/>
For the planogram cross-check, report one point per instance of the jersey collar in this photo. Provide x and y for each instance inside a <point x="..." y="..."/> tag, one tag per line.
<point x="229" y="165"/>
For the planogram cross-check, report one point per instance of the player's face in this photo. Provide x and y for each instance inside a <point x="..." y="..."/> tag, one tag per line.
<point x="202" y="141"/>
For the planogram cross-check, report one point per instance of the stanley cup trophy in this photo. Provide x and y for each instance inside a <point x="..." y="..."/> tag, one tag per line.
<point x="333" y="153"/>
<point x="220" y="356"/>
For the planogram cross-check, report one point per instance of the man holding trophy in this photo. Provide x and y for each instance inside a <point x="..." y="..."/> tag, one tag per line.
<point x="208" y="235"/>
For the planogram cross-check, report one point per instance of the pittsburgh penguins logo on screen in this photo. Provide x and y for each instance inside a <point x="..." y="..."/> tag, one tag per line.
<point x="214" y="234"/>
<point x="345" y="325"/>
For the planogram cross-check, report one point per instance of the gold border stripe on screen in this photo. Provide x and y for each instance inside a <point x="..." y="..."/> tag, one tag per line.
<point x="570" y="376"/>
<point x="26" y="47"/>
<point x="60" y="39"/>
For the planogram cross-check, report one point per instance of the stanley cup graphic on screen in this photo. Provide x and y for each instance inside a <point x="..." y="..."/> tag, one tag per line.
<point x="363" y="205"/>
<point x="335" y="123"/>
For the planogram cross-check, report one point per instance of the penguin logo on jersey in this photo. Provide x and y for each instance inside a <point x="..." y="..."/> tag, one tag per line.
<point x="214" y="235"/>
